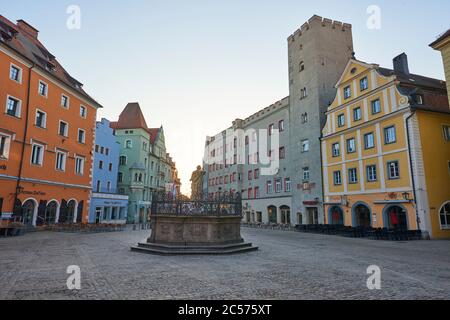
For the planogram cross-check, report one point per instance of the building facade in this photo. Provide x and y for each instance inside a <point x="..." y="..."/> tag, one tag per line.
<point x="46" y="133"/>
<point x="106" y="206"/>
<point x="143" y="162"/>
<point x="272" y="157"/>
<point x="379" y="167"/>
<point x="442" y="44"/>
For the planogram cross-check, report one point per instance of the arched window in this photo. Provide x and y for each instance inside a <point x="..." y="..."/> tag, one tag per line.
<point x="128" y="144"/>
<point x="301" y="67"/>
<point x="444" y="216"/>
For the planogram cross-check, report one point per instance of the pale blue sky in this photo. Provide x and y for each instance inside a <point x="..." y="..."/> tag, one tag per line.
<point x="194" y="66"/>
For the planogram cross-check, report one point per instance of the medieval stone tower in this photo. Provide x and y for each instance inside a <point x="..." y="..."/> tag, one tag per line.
<point x="318" y="53"/>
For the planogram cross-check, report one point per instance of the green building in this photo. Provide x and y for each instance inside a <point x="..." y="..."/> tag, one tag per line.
<point x="144" y="166"/>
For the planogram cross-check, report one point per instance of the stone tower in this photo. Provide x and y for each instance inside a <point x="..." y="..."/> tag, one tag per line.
<point x="318" y="53"/>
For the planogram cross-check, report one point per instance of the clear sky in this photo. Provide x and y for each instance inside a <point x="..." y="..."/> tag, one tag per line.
<point x="196" y="65"/>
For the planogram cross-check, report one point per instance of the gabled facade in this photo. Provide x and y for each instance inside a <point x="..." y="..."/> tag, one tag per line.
<point x="143" y="167"/>
<point x="106" y="205"/>
<point x="373" y="149"/>
<point x="46" y="133"/>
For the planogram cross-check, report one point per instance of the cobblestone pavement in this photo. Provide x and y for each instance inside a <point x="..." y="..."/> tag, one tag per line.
<point x="288" y="265"/>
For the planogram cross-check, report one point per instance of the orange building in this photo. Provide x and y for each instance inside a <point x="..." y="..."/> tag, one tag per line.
<point x="47" y="128"/>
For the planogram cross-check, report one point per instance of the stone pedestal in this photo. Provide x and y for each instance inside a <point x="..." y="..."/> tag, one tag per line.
<point x="196" y="234"/>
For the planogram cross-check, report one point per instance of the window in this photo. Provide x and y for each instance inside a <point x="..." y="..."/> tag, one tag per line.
<point x="61" y="158"/>
<point x="305" y="145"/>
<point x="128" y="144"/>
<point x="256" y="174"/>
<point x="37" y="154"/>
<point x="13" y="107"/>
<point x="371" y="173"/>
<point x="337" y="178"/>
<point x="282" y="153"/>
<point x="123" y="161"/>
<point x="281" y="125"/>
<point x="363" y="84"/>
<point x="393" y="170"/>
<point x="79" y="165"/>
<point x="100" y="164"/>
<point x="102" y="150"/>
<point x="120" y="177"/>
<point x="369" y="141"/>
<point x="304" y="118"/>
<point x="107" y="151"/>
<point x="83" y="112"/>
<point x="389" y="135"/>
<point x="5" y="142"/>
<point x="42" y="89"/>
<point x="271" y="127"/>
<point x="99" y="185"/>
<point x="249" y="193"/>
<point x="144" y="146"/>
<point x="357" y="114"/>
<point x="246" y="140"/>
<point x="301" y="66"/>
<point x="250" y="175"/>
<point x="81" y="136"/>
<point x="335" y="150"/>
<point x="376" y="106"/>
<point x="341" y="120"/>
<point x="352" y="176"/>
<point x="351" y="145"/>
<point x="444" y="216"/>
<point x="256" y="192"/>
<point x="97" y="147"/>
<point x="110" y="167"/>
<point x="418" y="99"/>
<point x="303" y="93"/>
<point x="305" y="174"/>
<point x="15" y="73"/>
<point x="65" y="101"/>
<point x="287" y="184"/>
<point x="269" y="187"/>
<point x="108" y="186"/>
<point x="63" y="128"/>
<point x="347" y="92"/>
<point x="278" y="186"/>
<point x="41" y="119"/>
<point x="446" y="132"/>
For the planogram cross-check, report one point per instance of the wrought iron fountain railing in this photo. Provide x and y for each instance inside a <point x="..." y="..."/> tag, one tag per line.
<point x="225" y="204"/>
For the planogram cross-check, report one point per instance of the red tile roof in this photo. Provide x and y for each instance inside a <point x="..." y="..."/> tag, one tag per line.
<point x="131" y="118"/>
<point x="153" y="134"/>
<point x="22" y="39"/>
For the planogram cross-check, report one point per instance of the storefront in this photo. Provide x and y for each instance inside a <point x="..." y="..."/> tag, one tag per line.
<point x="108" y="208"/>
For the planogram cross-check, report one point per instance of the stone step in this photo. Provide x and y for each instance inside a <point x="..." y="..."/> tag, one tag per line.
<point x="173" y="250"/>
<point x="194" y="247"/>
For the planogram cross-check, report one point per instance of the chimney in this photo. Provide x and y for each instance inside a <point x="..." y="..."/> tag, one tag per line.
<point x="27" y="28"/>
<point x="401" y="63"/>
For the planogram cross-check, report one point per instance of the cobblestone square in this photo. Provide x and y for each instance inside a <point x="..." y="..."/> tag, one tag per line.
<point x="288" y="265"/>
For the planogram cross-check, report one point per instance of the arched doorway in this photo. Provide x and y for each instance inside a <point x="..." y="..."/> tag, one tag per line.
<point x="395" y="217"/>
<point x="361" y="215"/>
<point x="285" y="214"/>
<point x="51" y="212"/>
<point x="444" y="216"/>
<point x="71" y="209"/>
<point x="272" y="212"/>
<point x="336" y="216"/>
<point x="28" y="212"/>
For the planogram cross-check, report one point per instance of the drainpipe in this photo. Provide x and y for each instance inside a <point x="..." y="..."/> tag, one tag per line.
<point x="25" y="131"/>
<point x="411" y="166"/>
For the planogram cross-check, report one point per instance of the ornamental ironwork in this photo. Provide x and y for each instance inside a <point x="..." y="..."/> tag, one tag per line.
<point x="224" y="204"/>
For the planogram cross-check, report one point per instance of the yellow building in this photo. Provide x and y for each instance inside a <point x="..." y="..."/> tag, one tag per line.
<point x="442" y="44"/>
<point x="385" y="156"/>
